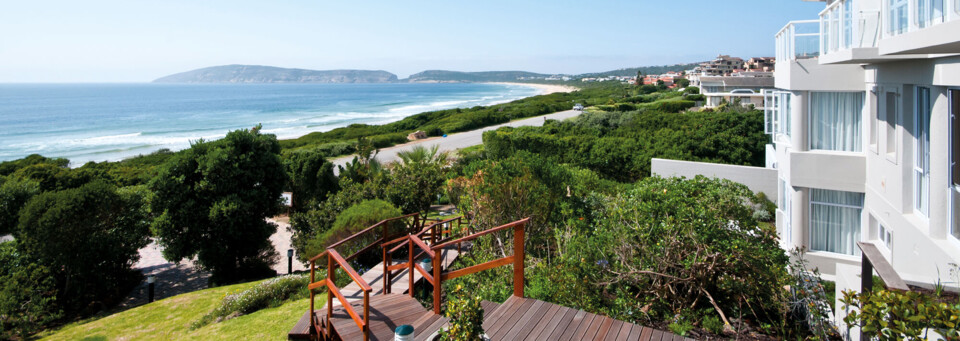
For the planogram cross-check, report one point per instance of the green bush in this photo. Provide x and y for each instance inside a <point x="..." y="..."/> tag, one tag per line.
<point x="27" y="295"/>
<point x="267" y="294"/>
<point x="712" y="324"/>
<point x="350" y="221"/>
<point x="466" y="317"/>
<point x="894" y="315"/>
<point x="89" y="237"/>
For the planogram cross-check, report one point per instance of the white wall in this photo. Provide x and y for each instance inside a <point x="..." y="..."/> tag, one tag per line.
<point x="758" y="179"/>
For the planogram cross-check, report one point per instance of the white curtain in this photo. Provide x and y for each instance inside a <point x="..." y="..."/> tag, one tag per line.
<point x="835" y="121"/>
<point x="835" y="221"/>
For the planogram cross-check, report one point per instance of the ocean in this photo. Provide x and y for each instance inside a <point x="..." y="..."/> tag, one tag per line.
<point x="109" y="122"/>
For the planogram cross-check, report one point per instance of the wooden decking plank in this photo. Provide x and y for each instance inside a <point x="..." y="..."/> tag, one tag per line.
<point x="510" y="318"/>
<point x="615" y="330"/>
<point x="656" y="335"/>
<point x="434" y="327"/>
<point x="525" y="320"/>
<point x="635" y="331"/>
<point x="488" y="308"/>
<point x="582" y="328"/>
<point x="554" y="313"/>
<point x="499" y="312"/>
<point x="604" y="328"/>
<point x="646" y="333"/>
<point x="560" y="328"/>
<point x="568" y="330"/>
<point x="594" y="327"/>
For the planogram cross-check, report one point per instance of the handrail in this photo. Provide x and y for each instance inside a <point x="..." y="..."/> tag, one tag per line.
<point x="420" y="233"/>
<point x="419" y="243"/>
<point x="349" y="270"/>
<point x="355" y="235"/>
<point x="482" y="233"/>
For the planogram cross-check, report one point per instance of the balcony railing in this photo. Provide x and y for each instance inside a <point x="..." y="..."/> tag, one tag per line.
<point x="799" y="40"/>
<point x="843" y="26"/>
<point x="902" y="16"/>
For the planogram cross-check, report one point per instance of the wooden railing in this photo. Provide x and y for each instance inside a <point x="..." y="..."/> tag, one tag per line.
<point x="437" y="230"/>
<point x="334" y="261"/>
<point x="435" y="253"/>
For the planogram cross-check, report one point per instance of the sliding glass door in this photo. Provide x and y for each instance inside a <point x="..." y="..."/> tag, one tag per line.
<point x="835" y="121"/>
<point x="835" y="221"/>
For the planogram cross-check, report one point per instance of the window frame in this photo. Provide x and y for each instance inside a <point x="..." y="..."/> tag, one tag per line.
<point x="875" y="97"/>
<point x="953" y="162"/>
<point x="810" y="121"/>
<point x="811" y="203"/>
<point x="883" y="105"/>
<point x="921" y="159"/>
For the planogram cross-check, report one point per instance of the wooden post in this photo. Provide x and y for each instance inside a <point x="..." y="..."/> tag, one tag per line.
<point x="366" y="315"/>
<point x="518" y="256"/>
<point x="437" y="284"/>
<point x="866" y="284"/>
<point x="386" y="272"/>
<point x="410" y="264"/>
<point x="312" y="280"/>
<point x="433" y="234"/>
<point x="331" y="279"/>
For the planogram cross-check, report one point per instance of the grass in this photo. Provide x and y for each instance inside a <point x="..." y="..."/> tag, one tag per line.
<point x="170" y="319"/>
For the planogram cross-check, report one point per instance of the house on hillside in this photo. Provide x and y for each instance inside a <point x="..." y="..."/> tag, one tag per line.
<point x="735" y="89"/>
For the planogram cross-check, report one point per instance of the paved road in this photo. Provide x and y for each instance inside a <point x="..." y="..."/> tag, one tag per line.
<point x="459" y="140"/>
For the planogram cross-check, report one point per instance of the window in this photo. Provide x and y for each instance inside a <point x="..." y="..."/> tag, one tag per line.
<point x="835" y="121"/>
<point x="874" y="120"/>
<point x="835" y="221"/>
<point x="929" y="12"/>
<point x="785" y="114"/>
<point x="897" y="17"/>
<point x="885" y="237"/>
<point x="847" y="23"/>
<point x="921" y="167"/>
<point x="955" y="160"/>
<point x="786" y="206"/>
<point x="892" y="117"/>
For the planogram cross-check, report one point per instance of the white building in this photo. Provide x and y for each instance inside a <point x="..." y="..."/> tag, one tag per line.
<point x="865" y="132"/>
<point x="747" y="90"/>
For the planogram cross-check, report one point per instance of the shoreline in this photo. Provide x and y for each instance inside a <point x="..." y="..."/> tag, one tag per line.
<point x="545" y="89"/>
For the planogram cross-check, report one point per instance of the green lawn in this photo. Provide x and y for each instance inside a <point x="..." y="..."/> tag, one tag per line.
<point x="170" y="319"/>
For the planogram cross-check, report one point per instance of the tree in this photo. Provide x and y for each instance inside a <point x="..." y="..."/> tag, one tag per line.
<point x="311" y="178"/>
<point x="417" y="179"/>
<point x="353" y="220"/>
<point x="90" y="236"/>
<point x="213" y="199"/>
<point x="27" y="294"/>
<point x="683" y="82"/>
<point x="14" y="194"/>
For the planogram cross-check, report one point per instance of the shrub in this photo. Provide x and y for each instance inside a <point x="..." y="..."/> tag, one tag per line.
<point x="894" y="315"/>
<point x="90" y="236"/>
<point x="681" y="326"/>
<point x="680" y="244"/>
<point x="27" y="295"/>
<point x="350" y="221"/>
<point x="267" y="294"/>
<point x="809" y="303"/>
<point x="466" y="317"/>
<point x="712" y="324"/>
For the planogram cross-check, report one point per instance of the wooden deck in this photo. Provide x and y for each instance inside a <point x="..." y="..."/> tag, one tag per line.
<point x="400" y="283"/>
<point x="529" y="319"/>
<point x="387" y="312"/>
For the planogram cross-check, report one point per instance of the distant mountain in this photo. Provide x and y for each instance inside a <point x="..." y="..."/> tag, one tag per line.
<point x="443" y="76"/>
<point x="647" y="70"/>
<point x="270" y="74"/>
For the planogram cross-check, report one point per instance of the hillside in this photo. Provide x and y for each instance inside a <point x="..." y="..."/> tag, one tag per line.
<point x="270" y="74"/>
<point x="647" y="70"/>
<point x="444" y="76"/>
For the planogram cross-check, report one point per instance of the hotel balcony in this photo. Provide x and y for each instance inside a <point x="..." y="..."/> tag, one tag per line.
<point x="798" y="62"/>
<point x="851" y="32"/>
<point x="919" y="27"/>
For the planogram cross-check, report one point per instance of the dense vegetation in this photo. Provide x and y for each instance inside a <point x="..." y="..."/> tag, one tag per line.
<point x="600" y="233"/>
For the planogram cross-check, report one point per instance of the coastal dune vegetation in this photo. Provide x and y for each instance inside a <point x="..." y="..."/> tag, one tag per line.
<point x="698" y="257"/>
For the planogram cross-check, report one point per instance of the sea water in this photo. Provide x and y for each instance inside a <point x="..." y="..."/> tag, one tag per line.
<point x="107" y="122"/>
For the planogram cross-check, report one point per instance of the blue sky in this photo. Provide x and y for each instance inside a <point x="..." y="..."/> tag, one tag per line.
<point x="139" y="40"/>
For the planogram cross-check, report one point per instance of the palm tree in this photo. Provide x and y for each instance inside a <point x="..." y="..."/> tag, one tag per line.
<point x="421" y="155"/>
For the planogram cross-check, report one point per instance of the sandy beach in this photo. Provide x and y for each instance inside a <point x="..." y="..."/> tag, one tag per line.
<point x="545" y="89"/>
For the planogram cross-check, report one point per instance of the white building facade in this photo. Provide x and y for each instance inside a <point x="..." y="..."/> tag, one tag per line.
<point x="865" y="129"/>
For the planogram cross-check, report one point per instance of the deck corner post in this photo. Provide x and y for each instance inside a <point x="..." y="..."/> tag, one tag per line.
<point x="410" y="264"/>
<point x="518" y="256"/>
<point x="331" y="278"/>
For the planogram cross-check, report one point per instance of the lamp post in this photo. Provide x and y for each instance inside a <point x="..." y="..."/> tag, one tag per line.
<point x="289" y="261"/>
<point x="150" y="284"/>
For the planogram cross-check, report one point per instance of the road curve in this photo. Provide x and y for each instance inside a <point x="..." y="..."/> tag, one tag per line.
<point x="459" y="140"/>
